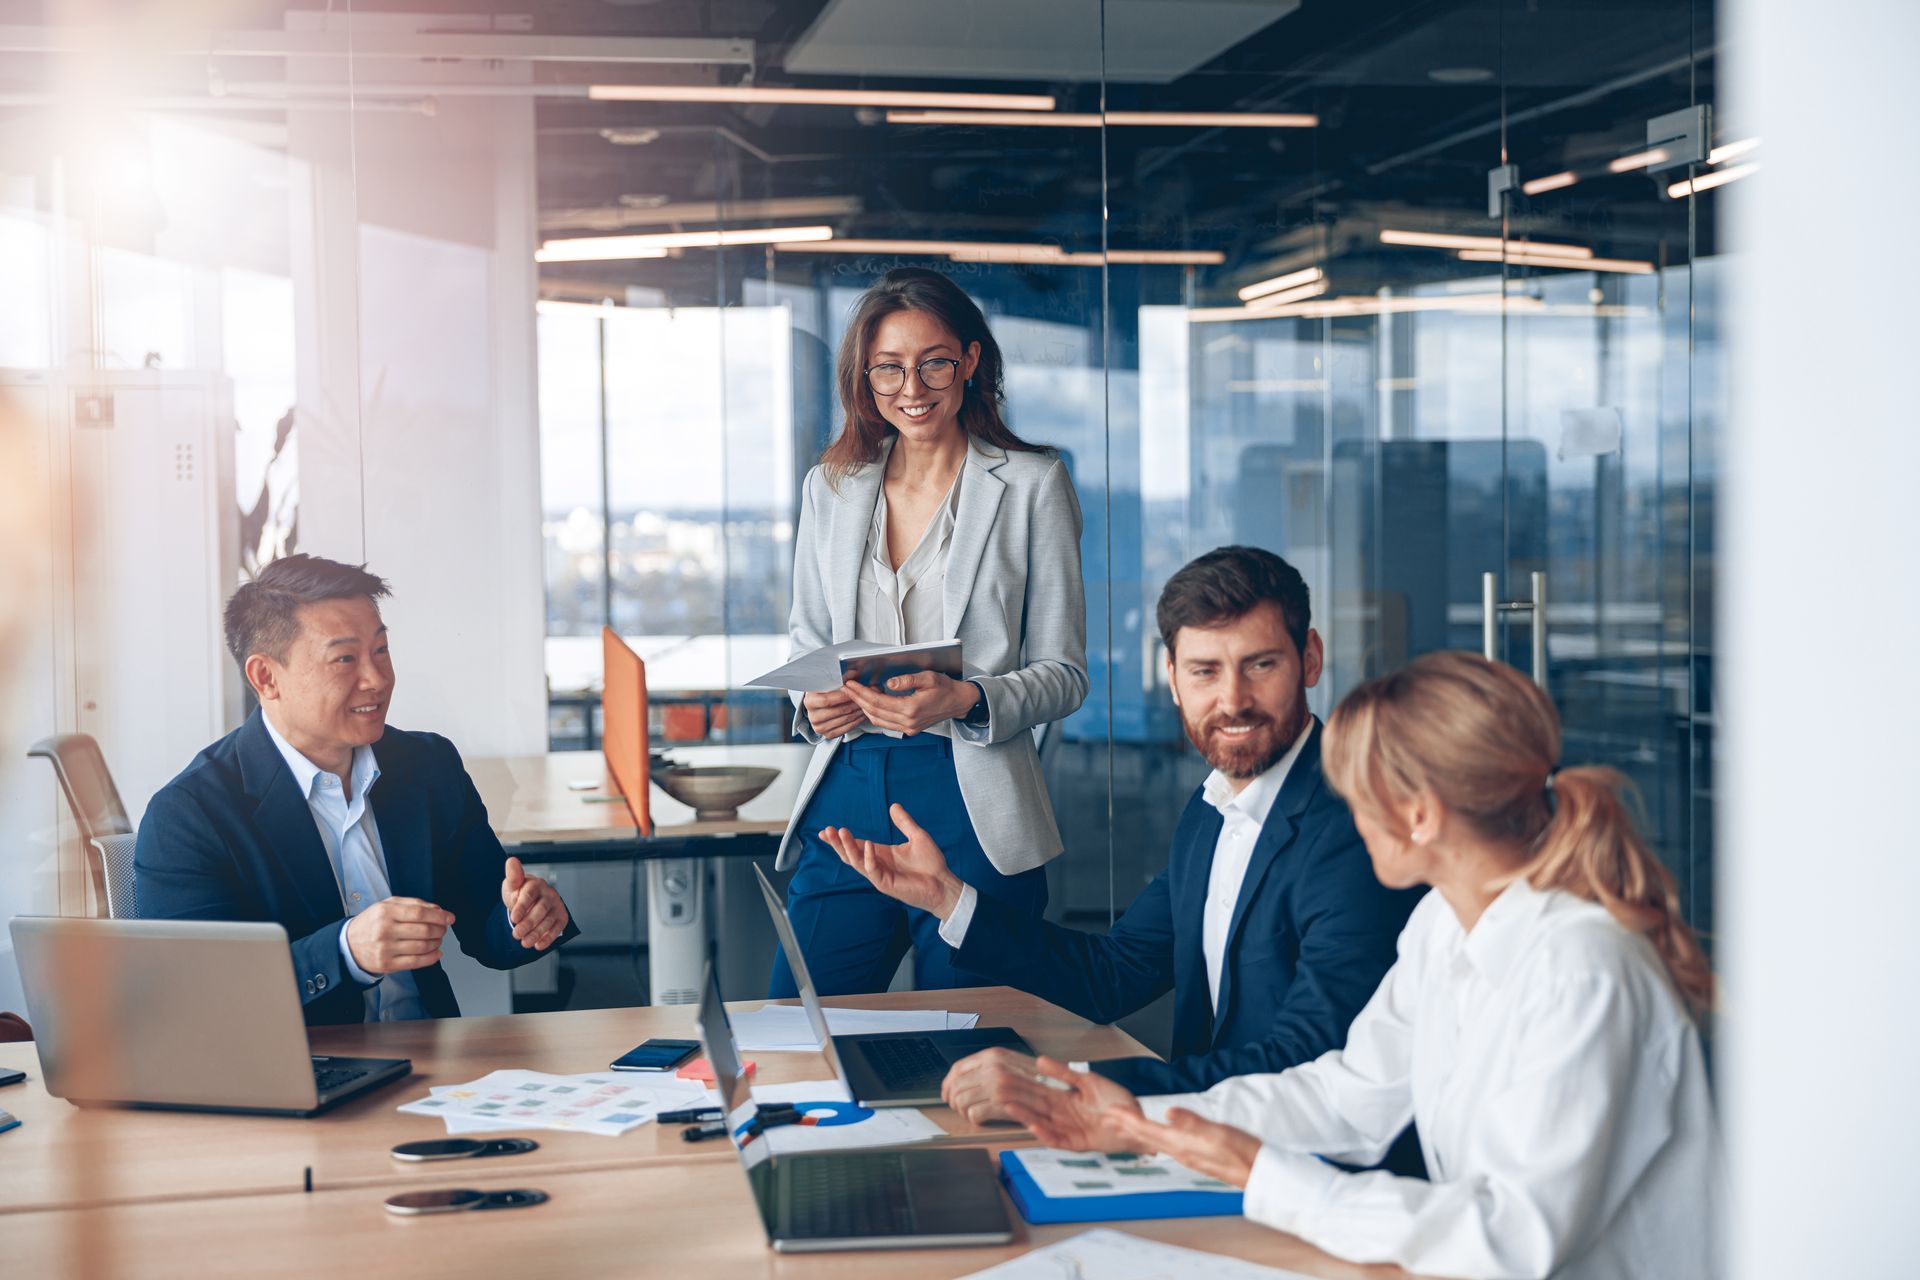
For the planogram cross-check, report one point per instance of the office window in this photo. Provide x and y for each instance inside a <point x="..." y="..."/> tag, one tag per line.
<point x="690" y="556"/>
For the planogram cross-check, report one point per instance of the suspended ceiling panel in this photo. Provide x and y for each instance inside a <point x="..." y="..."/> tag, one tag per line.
<point x="1147" y="41"/>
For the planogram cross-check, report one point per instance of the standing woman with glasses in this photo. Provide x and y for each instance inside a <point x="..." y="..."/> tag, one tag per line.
<point x="927" y="518"/>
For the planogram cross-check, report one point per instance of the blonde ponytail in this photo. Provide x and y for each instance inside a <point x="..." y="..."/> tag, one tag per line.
<point x="1484" y="740"/>
<point x="1591" y="848"/>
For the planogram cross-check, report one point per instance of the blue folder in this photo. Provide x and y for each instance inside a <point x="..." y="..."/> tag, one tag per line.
<point x="1037" y="1207"/>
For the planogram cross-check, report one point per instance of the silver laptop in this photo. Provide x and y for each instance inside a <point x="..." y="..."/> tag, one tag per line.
<point x="189" y="1014"/>
<point x="882" y="1068"/>
<point x="903" y="1198"/>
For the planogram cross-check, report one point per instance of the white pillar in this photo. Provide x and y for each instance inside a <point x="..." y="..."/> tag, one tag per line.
<point x="1818" y="852"/>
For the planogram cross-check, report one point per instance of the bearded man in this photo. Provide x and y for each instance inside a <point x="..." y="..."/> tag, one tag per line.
<point x="1267" y="925"/>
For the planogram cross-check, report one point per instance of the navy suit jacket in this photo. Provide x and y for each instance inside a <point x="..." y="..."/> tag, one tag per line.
<point x="232" y="838"/>
<point x="1311" y="937"/>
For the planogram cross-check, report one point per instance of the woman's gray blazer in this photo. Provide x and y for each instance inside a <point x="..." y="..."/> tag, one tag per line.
<point x="1014" y="599"/>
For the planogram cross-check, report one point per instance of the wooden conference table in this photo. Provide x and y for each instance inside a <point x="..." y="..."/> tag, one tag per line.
<point x="111" y="1193"/>
<point x="537" y="812"/>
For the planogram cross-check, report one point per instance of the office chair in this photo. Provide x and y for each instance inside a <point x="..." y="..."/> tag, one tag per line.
<point x="96" y="806"/>
<point x="113" y="855"/>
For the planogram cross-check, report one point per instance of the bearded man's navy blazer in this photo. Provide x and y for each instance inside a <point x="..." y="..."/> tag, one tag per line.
<point x="1312" y="934"/>
<point x="232" y="838"/>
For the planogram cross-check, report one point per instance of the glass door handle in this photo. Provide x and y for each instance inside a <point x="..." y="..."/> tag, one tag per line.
<point x="1539" y="620"/>
<point x="1492" y="606"/>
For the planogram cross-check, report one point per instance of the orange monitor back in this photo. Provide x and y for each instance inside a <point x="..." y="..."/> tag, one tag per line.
<point x="623" y="717"/>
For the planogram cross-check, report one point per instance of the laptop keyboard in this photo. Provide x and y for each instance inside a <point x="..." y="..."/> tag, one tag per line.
<point x="325" y="1078"/>
<point x="835" y="1197"/>
<point x="906" y="1063"/>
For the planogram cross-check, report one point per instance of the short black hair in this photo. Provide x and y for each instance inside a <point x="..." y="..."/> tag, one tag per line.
<point x="1228" y="583"/>
<point x="262" y="615"/>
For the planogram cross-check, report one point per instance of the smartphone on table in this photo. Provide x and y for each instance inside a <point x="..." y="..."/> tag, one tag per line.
<point x="656" y="1055"/>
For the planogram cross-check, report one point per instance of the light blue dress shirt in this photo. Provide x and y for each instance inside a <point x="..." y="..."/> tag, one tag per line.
<point x="352" y="839"/>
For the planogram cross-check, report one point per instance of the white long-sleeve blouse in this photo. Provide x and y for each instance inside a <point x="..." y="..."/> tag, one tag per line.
<point x="1561" y="1097"/>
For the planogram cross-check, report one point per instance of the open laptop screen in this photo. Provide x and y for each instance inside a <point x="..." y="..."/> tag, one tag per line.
<point x="736" y="1098"/>
<point x="809" y="998"/>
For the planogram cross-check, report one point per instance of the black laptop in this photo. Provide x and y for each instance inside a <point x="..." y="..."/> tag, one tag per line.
<point x="895" y="1198"/>
<point x="883" y="1068"/>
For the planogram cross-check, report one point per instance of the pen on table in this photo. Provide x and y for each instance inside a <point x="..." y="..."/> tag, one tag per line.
<point x="8" y="1121"/>
<point x="690" y="1115"/>
<point x="768" y="1117"/>
<point x="770" y="1120"/>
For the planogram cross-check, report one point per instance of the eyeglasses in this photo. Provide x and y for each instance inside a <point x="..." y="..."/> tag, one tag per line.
<point x="889" y="379"/>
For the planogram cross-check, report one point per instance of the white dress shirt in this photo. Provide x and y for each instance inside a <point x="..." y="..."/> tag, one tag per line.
<point x="906" y="605"/>
<point x="352" y="840"/>
<point x="1241" y="817"/>
<point x="1560" y="1092"/>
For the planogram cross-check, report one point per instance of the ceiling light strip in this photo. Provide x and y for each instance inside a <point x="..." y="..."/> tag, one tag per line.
<point x="1217" y="119"/>
<point x="1166" y="257"/>
<point x="1015" y="252"/>
<point x="1045" y="119"/>
<point x="1286" y="296"/>
<point x="610" y="248"/>
<point x="1365" y="305"/>
<point x="1731" y="150"/>
<point x="916" y="247"/>
<point x="1292" y="280"/>
<point x="1708" y="181"/>
<point x="1623" y="266"/>
<point x="1552" y="182"/>
<point x="783" y="96"/>
<point x="1119" y="119"/>
<point x="1028" y="254"/>
<point x="1638" y="160"/>
<point x="1441" y="240"/>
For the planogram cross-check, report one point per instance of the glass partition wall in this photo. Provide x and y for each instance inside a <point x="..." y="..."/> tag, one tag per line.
<point x="537" y="315"/>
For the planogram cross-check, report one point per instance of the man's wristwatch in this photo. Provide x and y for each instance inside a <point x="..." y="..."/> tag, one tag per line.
<point x="976" y="716"/>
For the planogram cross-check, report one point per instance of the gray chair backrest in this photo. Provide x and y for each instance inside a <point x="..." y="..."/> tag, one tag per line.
<point x="83" y="775"/>
<point x="115" y="854"/>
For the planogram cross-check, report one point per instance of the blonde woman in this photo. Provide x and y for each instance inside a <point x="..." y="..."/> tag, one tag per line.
<point x="1536" y="1024"/>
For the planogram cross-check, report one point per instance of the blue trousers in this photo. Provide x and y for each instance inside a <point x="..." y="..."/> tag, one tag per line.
<point x="851" y="934"/>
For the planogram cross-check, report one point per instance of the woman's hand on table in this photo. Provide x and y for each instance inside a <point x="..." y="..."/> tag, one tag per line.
<point x="1217" y="1150"/>
<point x="1078" y="1117"/>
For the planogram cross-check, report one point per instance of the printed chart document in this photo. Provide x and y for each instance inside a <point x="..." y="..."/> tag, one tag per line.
<point x="774" y="1028"/>
<point x="1068" y="1175"/>
<point x="1115" y="1255"/>
<point x="829" y="667"/>
<point x="835" y="1122"/>
<point x="604" y="1103"/>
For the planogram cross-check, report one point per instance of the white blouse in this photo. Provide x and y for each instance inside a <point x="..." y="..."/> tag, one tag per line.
<point x="907" y="605"/>
<point x="1560" y="1093"/>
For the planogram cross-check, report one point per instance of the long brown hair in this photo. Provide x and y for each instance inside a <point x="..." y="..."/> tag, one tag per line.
<point x="982" y="411"/>
<point x="1484" y="740"/>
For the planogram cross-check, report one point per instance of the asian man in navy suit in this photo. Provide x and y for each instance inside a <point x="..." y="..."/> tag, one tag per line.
<point x="1268" y="924"/>
<point x="365" y="842"/>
